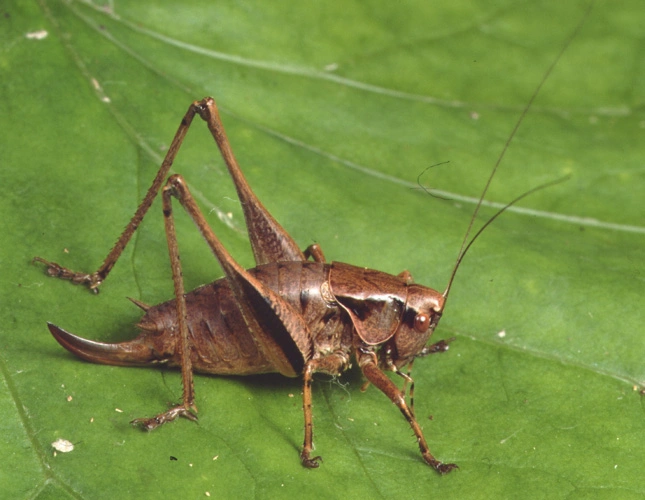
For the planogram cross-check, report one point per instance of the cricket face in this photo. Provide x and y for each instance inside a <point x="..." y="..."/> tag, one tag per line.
<point x="423" y="310"/>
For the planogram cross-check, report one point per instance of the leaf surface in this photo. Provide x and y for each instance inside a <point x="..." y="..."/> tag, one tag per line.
<point x="334" y="110"/>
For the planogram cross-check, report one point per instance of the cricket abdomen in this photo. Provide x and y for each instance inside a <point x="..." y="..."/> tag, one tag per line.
<point x="221" y="342"/>
<point x="219" y="339"/>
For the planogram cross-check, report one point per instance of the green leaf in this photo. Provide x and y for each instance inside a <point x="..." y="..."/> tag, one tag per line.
<point x="334" y="109"/>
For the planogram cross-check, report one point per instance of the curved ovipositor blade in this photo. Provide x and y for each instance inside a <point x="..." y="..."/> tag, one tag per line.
<point x="131" y="353"/>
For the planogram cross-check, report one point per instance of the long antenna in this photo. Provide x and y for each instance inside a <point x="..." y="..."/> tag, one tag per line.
<point x="465" y="245"/>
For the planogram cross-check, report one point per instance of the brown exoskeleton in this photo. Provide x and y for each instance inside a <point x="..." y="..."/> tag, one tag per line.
<point x="294" y="313"/>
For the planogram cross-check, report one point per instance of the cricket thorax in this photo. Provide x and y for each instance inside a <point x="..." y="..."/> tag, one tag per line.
<point x="312" y="299"/>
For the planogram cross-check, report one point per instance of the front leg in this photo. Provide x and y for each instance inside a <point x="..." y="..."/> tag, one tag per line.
<point x="367" y="362"/>
<point x="441" y="346"/>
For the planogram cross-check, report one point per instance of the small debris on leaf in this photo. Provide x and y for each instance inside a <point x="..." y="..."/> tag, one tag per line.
<point x="37" y="35"/>
<point x="63" y="445"/>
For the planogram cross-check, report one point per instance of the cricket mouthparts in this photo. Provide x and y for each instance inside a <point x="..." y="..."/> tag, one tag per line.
<point x="131" y="353"/>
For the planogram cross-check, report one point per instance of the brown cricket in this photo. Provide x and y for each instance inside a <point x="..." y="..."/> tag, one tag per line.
<point x="293" y="314"/>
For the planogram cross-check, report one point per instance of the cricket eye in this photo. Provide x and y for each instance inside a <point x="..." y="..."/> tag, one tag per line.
<point x="421" y="322"/>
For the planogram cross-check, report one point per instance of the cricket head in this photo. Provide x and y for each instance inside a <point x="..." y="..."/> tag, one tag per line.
<point x="421" y="315"/>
